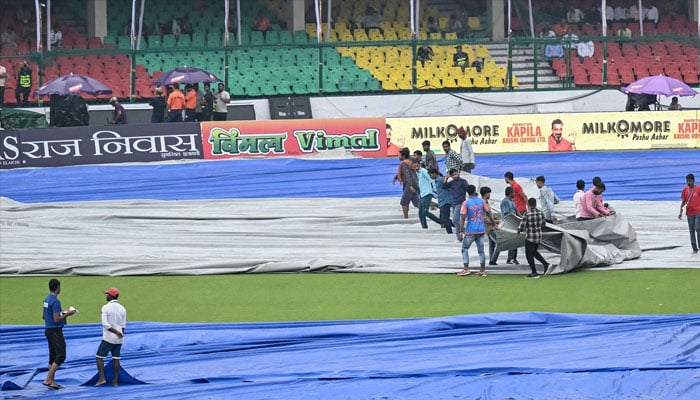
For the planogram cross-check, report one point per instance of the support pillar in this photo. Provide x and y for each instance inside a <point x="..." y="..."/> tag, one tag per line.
<point x="97" y="18"/>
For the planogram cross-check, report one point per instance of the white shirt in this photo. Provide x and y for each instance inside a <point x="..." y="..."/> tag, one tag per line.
<point x="467" y="151"/>
<point x="585" y="49"/>
<point x="609" y="13"/>
<point x="56" y="37"/>
<point x="621" y="13"/>
<point x="578" y="197"/>
<point x="3" y="75"/>
<point x="652" y="14"/>
<point x="222" y="99"/>
<point x="113" y="316"/>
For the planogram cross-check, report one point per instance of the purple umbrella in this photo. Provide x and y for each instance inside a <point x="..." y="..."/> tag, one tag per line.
<point x="660" y="84"/>
<point x="185" y="75"/>
<point x="73" y="84"/>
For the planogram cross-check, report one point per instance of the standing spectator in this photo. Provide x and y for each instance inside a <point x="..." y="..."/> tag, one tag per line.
<point x="609" y="14"/>
<point x="547" y="199"/>
<point x="207" y="103"/>
<point x="460" y="59"/>
<point x="8" y="38"/>
<point x="532" y="224"/>
<point x="261" y="23"/>
<point x="119" y="113"/>
<point x="24" y="84"/>
<point x="578" y="196"/>
<point x="594" y="16"/>
<point x="430" y="159"/>
<point x="222" y="98"/>
<point x="454" y="25"/>
<point x="54" y="321"/>
<point x="467" y="151"/>
<point x="176" y="103"/>
<point x="190" y="102"/>
<point x="3" y="78"/>
<point x="507" y="208"/>
<point x="471" y="230"/>
<point x="198" y="105"/>
<point x="158" y="104"/>
<point x="520" y="198"/>
<point x="175" y="28"/>
<point x="56" y="37"/>
<point x="490" y="224"/>
<point x="622" y="13"/>
<point x="636" y="14"/>
<point x="424" y="53"/>
<point x="652" y="15"/>
<point x="426" y="185"/>
<point x="458" y="186"/>
<point x="690" y="197"/>
<point x="185" y="26"/>
<point x="585" y="48"/>
<point x="556" y="142"/>
<point x="432" y="25"/>
<point x="370" y="20"/>
<point x="575" y="16"/>
<point x="113" y="326"/>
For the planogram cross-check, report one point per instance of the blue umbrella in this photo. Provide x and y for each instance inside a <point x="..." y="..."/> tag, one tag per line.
<point x="185" y="75"/>
<point x="73" y="84"/>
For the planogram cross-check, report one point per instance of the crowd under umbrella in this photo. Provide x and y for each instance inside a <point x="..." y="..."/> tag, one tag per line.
<point x="660" y="85"/>
<point x="73" y="84"/>
<point x="185" y="75"/>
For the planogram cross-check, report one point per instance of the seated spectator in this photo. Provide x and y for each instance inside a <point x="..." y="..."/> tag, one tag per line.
<point x="585" y="48"/>
<point x="454" y="25"/>
<point x="158" y="28"/>
<point x="551" y="51"/>
<point x="675" y="105"/>
<point x="575" y="16"/>
<point x="432" y="25"/>
<point x="624" y="32"/>
<point x="460" y="59"/>
<point x="622" y="13"/>
<point x="561" y="27"/>
<point x="424" y="53"/>
<point x="55" y="37"/>
<point x="176" y="28"/>
<point x="651" y="14"/>
<point x="261" y="23"/>
<point x="370" y="20"/>
<point x="8" y="38"/>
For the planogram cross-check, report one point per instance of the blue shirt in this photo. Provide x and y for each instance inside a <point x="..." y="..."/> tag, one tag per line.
<point x="473" y="212"/>
<point x="459" y="190"/>
<point x="444" y="196"/>
<point x="425" y="183"/>
<point x="52" y="305"/>
<point x="508" y="207"/>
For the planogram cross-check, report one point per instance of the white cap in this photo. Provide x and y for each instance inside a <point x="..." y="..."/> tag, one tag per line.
<point x="112" y="100"/>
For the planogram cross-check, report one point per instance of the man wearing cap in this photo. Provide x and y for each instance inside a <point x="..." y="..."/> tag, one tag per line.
<point x="113" y="326"/>
<point x="119" y="113"/>
<point x="158" y="104"/>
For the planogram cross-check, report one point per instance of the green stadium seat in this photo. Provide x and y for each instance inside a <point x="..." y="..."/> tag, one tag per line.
<point x="272" y="37"/>
<point x="184" y="41"/>
<point x="256" y="38"/>
<point x="300" y="37"/>
<point x="169" y="41"/>
<point x="286" y="37"/>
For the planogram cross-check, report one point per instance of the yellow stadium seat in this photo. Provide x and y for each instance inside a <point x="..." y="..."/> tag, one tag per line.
<point x="482" y="51"/>
<point x="474" y="23"/>
<point x="481" y="82"/>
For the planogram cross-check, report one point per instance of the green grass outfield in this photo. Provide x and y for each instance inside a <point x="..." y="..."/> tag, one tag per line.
<point x="338" y="296"/>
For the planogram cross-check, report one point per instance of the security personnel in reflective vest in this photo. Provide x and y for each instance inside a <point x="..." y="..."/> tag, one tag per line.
<point x="460" y="59"/>
<point x="24" y="84"/>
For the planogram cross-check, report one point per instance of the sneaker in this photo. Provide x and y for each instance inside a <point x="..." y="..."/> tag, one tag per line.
<point x="513" y="261"/>
<point x="533" y="276"/>
<point x="493" y="263"/>
<point x="464" y="272"/>
<point x="546" y="268"/>
<point x="481" y="273"/>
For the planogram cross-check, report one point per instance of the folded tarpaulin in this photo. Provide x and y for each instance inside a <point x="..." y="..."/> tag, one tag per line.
<point x="503" y="355"/>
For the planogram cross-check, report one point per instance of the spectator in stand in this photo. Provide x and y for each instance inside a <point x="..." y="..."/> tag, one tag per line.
<point x="636" y="14"/>
<point x="176" y="103"/>
<point x="675" y="105"/>
<point x="432" y="25"/>
<point x="622" y="13"/>
<point x="222" y="98"/>
<point x="585" y="48"/>
<point x="551" y="51"/>
<point x="175" y="28"/>
<point x="261" y="23"/>
<point x="454" y="25"/>
<point x="56" y="37"/>
<point x="651" y="14"/>
<point x="190" y="102"/>
<point x="593" y="16"/>
<point x="198" y="106"/>
<point x="119" y="113"/>
<point x="575" y="16"/>
<point x="624" y="32"/>
<point x="8" y="38"/>
<point x="561" y="27"/>
<point x="460" y="59"/>
<point x="424" y="53"/>
<point x="185" y="26"/>
<point x="207" y="103"/>
<point x="370" y="20"/>
<point x="158" y="28"/>
<point x="3" y="78"/>
<point x="609" y="14"/>
<point x="24" y="84"/>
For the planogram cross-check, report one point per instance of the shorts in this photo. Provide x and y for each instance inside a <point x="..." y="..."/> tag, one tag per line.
<point x="107" y="347"/>
<point x="408" y="197"/>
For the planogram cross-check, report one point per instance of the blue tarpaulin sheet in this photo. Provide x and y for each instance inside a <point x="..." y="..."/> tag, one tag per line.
<point x="633" y="175"/>
<point x="488" y="356"/>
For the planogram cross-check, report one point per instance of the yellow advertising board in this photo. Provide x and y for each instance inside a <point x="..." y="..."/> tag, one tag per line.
<point x="518" y="133"/>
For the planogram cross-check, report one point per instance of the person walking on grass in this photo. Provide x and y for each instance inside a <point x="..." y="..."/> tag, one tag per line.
<point x="691" y="201"/>
<point x="471" y="230"/>
<point x="532" y="224"/>
<point x="113" y="326"/>
<point x="54" y="321"/>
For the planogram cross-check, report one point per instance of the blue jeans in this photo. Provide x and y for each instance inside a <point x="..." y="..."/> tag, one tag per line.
<point x="456" y="208"/>
<point x="424" y="211"/>
<point x="694" y="228"/>
<point x="466" y="244"/>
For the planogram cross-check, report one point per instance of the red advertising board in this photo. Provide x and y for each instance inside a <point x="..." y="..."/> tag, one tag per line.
<point x="365" y="137"/>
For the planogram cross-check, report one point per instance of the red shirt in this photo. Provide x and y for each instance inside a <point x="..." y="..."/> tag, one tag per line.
<point x="692" y="199"/>
<point x="520" y="203"/>
<point x="563" y="145"/>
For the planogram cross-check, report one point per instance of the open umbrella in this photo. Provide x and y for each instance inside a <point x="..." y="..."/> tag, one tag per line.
<point x="73" y="84"/>
<point x="185" y="75"/>
<point x="660" y="84"/>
